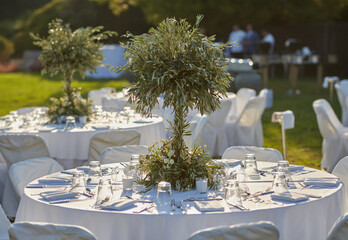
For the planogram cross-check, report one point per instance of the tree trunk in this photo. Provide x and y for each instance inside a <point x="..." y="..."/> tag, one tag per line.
<point x="67" y="88"/>
<point x="178" y="133"/>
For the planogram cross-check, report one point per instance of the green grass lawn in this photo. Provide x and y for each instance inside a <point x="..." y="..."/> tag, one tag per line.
<point x="303" y="142"/>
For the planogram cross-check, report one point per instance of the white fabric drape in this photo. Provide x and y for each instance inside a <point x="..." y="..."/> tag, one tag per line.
<point x="97" y="95"/>
<point x="342" y="95"/>
<point x="122" y="153"/>
<point x="249" y="231"/>
<point x="341" y="171"/>
<point x="335" y="135"/>
<point x="4" y="225"/>
<point x="340" y="230"/>
<point x="261" y="154"/>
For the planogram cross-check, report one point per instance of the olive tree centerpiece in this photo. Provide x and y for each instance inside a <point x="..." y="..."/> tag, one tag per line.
<point x="70" y="52"/>
<point x="185" y="67"/>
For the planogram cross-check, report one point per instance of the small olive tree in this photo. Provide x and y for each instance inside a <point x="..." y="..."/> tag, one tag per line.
<point x="69" y="52"/>
<point x="185" y="66"/>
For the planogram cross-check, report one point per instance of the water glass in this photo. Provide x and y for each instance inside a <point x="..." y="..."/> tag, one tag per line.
<point x="78" y="183"/>
<point x="94" y="172"/>
<point x="283" y="166"/>
<point x="164" y="193"/>
<point x="127" y="182"/>
<point x="251" y="169"/>
<point x="70" y="123"/>
<point x="232" y="192"/>
<point x="248" y="156"/>
<point x="202" y="184"/>
<point x="279" y="184"/>
<point x="104" y="193"/>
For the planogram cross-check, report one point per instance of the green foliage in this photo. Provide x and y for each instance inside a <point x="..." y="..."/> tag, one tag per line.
<point x="185" y="67"/>
<point x="160" y="166"/>
<point x="69" y="52"/>
<point x="6" y="49"/>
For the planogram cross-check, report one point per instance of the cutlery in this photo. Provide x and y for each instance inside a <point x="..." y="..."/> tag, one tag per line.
<point x="178" y="204"/>
<point x="239" y="206"/>
<point x="144" y="208"/>
<point x="66" y="200"/>
<point x="309" y="195"/>
<point x="173" y="204"/>
<point x="191" y="199"/>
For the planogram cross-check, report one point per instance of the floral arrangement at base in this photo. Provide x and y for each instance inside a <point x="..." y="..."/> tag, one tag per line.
<point x="160" y="165"/>
<point x="78" y="107"/>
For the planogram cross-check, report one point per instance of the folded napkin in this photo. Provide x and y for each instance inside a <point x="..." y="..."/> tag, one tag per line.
<point x="289" y="197"/>
<point x="54" y="180"/>
<point x="321" y="182"/>
<point x="209" y="206"/>
<point x="58" y="195"/>
<point x="45" y="129"/>
<point x="143" y="121"/>
<point x="100" y="127"/>
<point x="119" y="204"/>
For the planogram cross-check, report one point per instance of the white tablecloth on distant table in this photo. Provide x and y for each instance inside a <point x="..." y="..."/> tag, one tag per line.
<point x="70" y="148"/>
<point x="311" y="219"/>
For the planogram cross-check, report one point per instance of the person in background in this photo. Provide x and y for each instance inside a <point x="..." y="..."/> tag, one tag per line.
<point x="250" y="41"/>
<point x="268" y="38"/>
<point x="236" y="37"/>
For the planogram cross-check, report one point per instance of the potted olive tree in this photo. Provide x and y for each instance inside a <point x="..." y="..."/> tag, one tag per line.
<point x="70" y="52"/>
<point x="185" y="67"/>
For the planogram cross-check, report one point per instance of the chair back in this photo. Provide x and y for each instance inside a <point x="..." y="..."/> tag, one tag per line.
<point x="24" y="172"/>
<point x="253" y="111"/>
<point x="122" y="153"/>
<point x="342" y="95"/>
<point x="217" y="118"/>
<point x="328" y="123"/>
<point x="16" y="148"/>
<point x="44" y="231"/>
<point x="341" y="171"/>
<point x="339" y="231"/>
<point x="268" y="93"/>
<point x="248" y="80"/>
<point x="97" y="95"/>
<point x="242" y="97"/>
<point x="101" y="141"/>
<point x="247" y="231"/>
<point x="4" y="225"/>
<point x="261" y="154"/>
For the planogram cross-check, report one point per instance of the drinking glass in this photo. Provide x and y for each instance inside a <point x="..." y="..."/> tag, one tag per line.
<point x="104" y="193"/>
<point x="70" y="123"/>
<point x="201" y="184"/>
<point x="164" y="193"/>
<point x="232" y="192"/>
<point x="94" y="172"/>
<point x="248" y="156"/>
<point x="127" y="182"/>
<point x="279" y="182"/>
<point x="78" y="183"/>
<point x="251" y="169"/>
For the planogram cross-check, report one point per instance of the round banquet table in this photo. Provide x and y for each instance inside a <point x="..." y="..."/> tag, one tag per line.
<point x="310" y="219"/>
<point x="70" y="147"/>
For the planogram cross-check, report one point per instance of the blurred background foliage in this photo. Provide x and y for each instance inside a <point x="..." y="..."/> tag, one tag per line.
<point x="19" y="17"/>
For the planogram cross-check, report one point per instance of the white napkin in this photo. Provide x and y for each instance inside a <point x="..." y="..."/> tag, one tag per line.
<point x="209" y="206"/>
<point x="289" y="197"/>
<point x="100" y="127"/>
<point x="288" y="118"/>
<point x="58" y="195"/>
<point x="321" y="182"/>
<point x="119" y="204"/>
<point x="54" y="180"/>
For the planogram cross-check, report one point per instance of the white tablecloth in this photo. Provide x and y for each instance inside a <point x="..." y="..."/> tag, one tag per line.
<point x="311" y="219"/>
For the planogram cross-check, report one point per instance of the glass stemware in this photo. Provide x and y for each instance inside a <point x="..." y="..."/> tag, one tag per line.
<point x="78" y="182"/>
<point x="104" y="193"/>
<point x="232" y="192"/>
<point x="279" y="184"/>
<point x="94" y="172"/>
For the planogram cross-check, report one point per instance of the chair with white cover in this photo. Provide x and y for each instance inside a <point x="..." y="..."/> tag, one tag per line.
<point x="261" y="154"/>
<point x="16" y="148"/>
<point x="197" y="126"/>
<point x="242" y="98"/>
<point x="268" y="93"/>
<point x="24" y="172"/>
<point x="341" y="171"/>
<point x="213" y="135"/>
<point x="97" y="95"/>
<point x="122" y="153"/>
<point x="335" y="135"/>
<point x="113" y="103"/>
<point x="44" y="231"/>
<point x="339" y="231"/>
<point x="342" y="95"/>
<point x="26" y="110"/>
<point x="101" y="141"/>
<point x="246" y="129"/>
<point x="4" y="225"/>
<point x="246" y="231"/>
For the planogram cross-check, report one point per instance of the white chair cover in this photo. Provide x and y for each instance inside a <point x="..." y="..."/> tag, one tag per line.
<point x="122" y="153"/>
<point x="114" y="102"/>
<point x="197" y="126"/>
<point x="24" y="172"/>
<point x="3" y="178"/>
<point x="340" y="229"/>
<point x="4" y="225"/>
<point x="97" y="95"/>
<point x="214" y="136"/>
<point x="242" y="98"/>
<point x="341" y="171"/>
<point x="268" y="93"/>
<point x="261" y="154"/>
<point x="104" y="140"/>
<point x="342" y="95"/>
<point x="335" y="135"/>
<point x="48" y="231"/>
<point x="16" y="148"/>
<point x="263" y="230"/>
<point x="246" y="129"/>
<point x="26" y="110"/>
